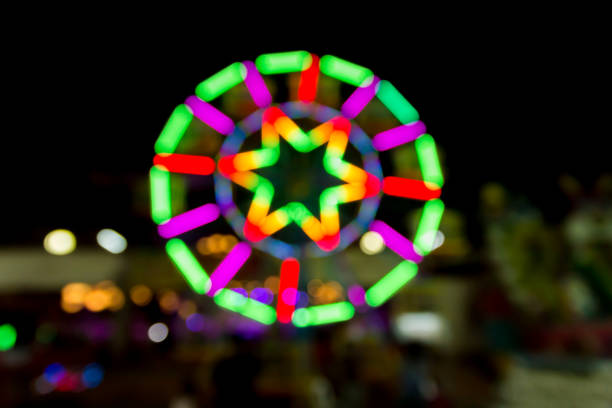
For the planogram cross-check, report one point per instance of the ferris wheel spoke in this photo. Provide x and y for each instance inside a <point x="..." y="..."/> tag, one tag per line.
<point x="185" y="163"/>
<point x="229" y="266"/>
<point x="408" y="188"/>
<point x="359" y="99"/>
<point x="189" y="220"/>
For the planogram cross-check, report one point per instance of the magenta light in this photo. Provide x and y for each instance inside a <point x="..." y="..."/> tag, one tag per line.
<point x="398" y="136"/>
<point x="356" y="295"/>
<point x="359" y="99"/>
<point x="188" y="220"/>
<point x="228" y="267"/>
<point x="396" y="241"/>
<point x="210" y="115"/>
<point x="256" y="85"/>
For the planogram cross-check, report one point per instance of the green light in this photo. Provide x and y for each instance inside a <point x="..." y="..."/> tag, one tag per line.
<point x="428" y="226"/>
<point x="188" y="265"/>
<point x="396" y="103"/>
<point x="174" y="129"/>
<point x="345" y="71"/>
<point x="324" y="314"/>
<point x="247" y="307"/>
<point x="161" y="210"/>
<point x="391" y="283"/>
<point x="283" y="62"/>
<point x="8" y="337"/>
<point x="428" y="160"/>
<point x="220" y="82"/>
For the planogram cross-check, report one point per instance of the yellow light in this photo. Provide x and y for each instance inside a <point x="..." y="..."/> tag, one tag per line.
<point x="59" y="242"/>
<point x="313" y="287"/>
<point x="97" y="300"/>
<point x="71" y="307"/>
<point x="187" y="308"/>
<point x="169" y="302"/>
<point x="272" y="283"/>
<point x="141" y="295"/>
<point x="74" y="293"/>
<point x="252" y="285"/>
<point x="371" y="243"/>
<point x="116" y="298"/>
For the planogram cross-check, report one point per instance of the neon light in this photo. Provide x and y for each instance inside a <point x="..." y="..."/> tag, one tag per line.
<point x="259" y="223"/>
<point x="398" y="136"/>
<point x="345" y="71"/>
<point x="188" y="265"/>
<point x="160" y="195"/>
<point x="359" y="99"/>
<point x="188" y="220"/>
<point x="228" y="267"/>
<point x="307" y="88"/>
<point x="250" y="308"/>
<point x="391" y="283"/>
<point x="396" y="103"/>
<point x="8" y="336"/>
<point x="184" y="163"/>
<point x="174" y="130"/>
<point x="283" y="62"/>
<point x="415" y="189"/>
<point x="256" y="85"/>
<point x="356" y="295"/>
<point x="210" y="115"/>
<point x="396" y="241"/>
<point x="220" y="82"/>
<point x="428" y="160"/>
<point x="324" y="314"/>
<point x="428" y="225"/>
<point x="289" y="277"/>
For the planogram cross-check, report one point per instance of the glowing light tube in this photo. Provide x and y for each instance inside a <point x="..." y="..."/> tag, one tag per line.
<point x="188" y="220"/>
<point x="307" y="88"/>
<point x="398" y="136"/>
<point x="188" y="265"/>
<point x="287" y="290"/>
<point x="184" y="163"/>
<point x="228" y="267"/>
<point x="428" y="226"/>
<point x="283" y="62"/>
<point x="396" y="103"/>
<point x="160" y="195"/>
<point x="220" y="82"/>
<point x="359" y="99"/>
<point x="256" y="85"/>
<point x="250" y="308"/>
<point x="396" y="241"/>
<point x="345" y="71"/>
<point x="174" y="130"/>
<point x="210" y="115"/>
<point x="428" y="160"/>
<point x="415" y="189"/>
<point x="324" y="314"/>
<point x="391" y="283"/>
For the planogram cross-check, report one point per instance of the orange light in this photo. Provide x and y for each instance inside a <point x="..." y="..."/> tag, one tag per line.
<point x="169" y="302"/>
<point x="141" y="295"/>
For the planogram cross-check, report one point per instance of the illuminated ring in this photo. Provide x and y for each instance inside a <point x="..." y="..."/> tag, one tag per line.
<point x="310" y="67"/>
<point x="278" y="248"/>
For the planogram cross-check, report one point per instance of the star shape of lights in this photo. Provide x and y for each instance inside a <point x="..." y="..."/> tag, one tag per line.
<point x="260" y="222"/>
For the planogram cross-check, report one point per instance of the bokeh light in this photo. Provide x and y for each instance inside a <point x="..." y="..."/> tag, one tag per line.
<point x="141" y="295"/>
<point x="92" y="375"/>
<point x="111" y="240"/>
<point x="59" y="242"/>
<point x="169" y="301"/>
<point x="187" y="308"/>
<point x="195" y="322"/>
<point x="8" y="336"/>
<point x="371" y="243"/>
<point x="157" y="332"/>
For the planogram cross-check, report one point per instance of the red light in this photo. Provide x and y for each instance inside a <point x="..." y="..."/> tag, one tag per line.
<point x="289" y="276"/>
<point x="184" y="163"/>
<point x="307" y="90"/>
<point x="416" y="189"/>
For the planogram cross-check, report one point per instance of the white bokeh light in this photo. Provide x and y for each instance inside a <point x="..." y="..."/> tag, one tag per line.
<point x="60" y="242"/>
<point x="111" y="240"/>
<point x="158" y="332"/>
<point x="371" y="243"/>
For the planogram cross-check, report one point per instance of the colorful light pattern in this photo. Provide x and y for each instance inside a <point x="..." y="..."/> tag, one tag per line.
<point x="260" y="223"/>
<point x="335" y="130"/>
<point x="8" y="336"/>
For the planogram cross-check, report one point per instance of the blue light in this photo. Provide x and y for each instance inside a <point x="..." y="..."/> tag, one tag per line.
<point x="92" y="375"/>
<point x="54" y="373"/>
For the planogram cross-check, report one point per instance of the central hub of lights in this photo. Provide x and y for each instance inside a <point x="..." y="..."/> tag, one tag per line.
<point x="269" y="211"/>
